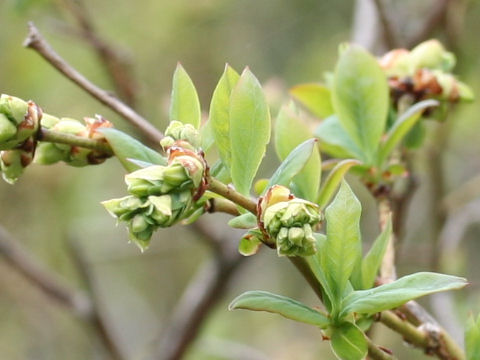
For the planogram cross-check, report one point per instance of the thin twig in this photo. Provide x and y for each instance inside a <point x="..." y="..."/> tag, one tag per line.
<point x="387" y="270"/>
<point x="115" y="64"/>
<point x="36" y="42"/>
<point x="48" y="282"/>
<point x="374" y="352"/>
<point x="389" y="34"/>
<point x="228" y="192"/>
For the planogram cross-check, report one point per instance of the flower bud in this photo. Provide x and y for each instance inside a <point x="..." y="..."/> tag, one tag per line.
<point x="49" y="153"/>
<point x="289" y="221"/>
<point x="179" y="131"/>
<point x="431" y="55"/>
<point x="11" y="165"/>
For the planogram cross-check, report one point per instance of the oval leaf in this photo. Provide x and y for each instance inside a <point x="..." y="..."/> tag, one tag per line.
<point x="348" y="342"/>
<point x="282" y="305"/>
<point x="343" y="248"/>
<point x="290" y="131"/>
<point x="184" y="106"/>
<point x="244" y="221"/>
<point x="127" y="148"/>
<point x="402" y="126"/>
<point x="219" y="113"/>
<point x="390" y="296"/>
<point x="316" y="98"/>
<point x="293" y="164"/>
<point x="361" y="98"/>
<point x="249" y="130"/>
<point x="333" y="181"/>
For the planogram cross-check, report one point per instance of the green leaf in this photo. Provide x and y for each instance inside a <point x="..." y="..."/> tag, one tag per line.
<point x="284" y="306"/>
<point x="251" y="242"/>
<point x="335" y="140"/>
<point x="343" y="249"/>
<point x="290" y="131"/>
<point x="402" y="126"/>
<point x="244" y="221"/>
<point x="206" y="136"/>
<point x="373" y="260"/>
<point x="249" y="130"/>
<point x="472" y="338"/>
<point x="348" y="342"/>
<point x="126" y="147"/>
<point x="293" y="164"/>
<point x="333" y="180"/>
<point x="392" y="295"/>
<point x="361" y="98"/>
<point x="220" y="113"/>
<point x="184" y="106"/>
<point x="315" y="97"/>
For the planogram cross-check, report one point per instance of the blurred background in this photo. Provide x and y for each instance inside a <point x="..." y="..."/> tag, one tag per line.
<point x="54" y="212"/>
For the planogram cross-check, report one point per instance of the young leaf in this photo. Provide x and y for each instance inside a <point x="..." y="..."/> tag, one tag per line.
<point x="244" y="221"/>
<point x="335" y="140"/>
<point x="333" y="180"/>
<point x="290" y="131"/>
<point x="392" y="295"/>
<point x="472" y="338"/>
<point x="249" y="130"/>
<point x="126" y="148"/>
<point x="293" y="164"/>
<point x="249" y="246"/>
<point x="361" y="98"/>
<point x="206" y="136"/>
<point x="282" y="305"/>
<point x="184" y="106"/>
<point x="219" y="113"/>
<point x="315" y="97"/>
<point x="343" y="249"/>
<point x="402" y="126"/>
<point x="372" y="261"/>
<point x="348" y="342"/>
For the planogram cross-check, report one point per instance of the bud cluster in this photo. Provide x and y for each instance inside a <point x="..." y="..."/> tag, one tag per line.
<point x="19" y="123"/>
<point x="160" y="196"/>
<point x="424" y="72"/>
<point x="289" y="221"/>
<point x="179" y="134"/>
<point x="49" y="153"/>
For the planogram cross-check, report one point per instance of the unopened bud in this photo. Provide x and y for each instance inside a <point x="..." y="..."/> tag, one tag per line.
<point x="431" y="55"/>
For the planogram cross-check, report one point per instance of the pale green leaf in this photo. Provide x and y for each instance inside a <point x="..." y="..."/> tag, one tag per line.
<point x="127" y="148"/>
<point x="348" y="342"/>
<point x="249" y="245"/>
<point x="361" y="98"/>
<point x="373" y="260"/>
<point x="293" y="164"/>
<point x="392" y="295"/>
<point x="315" y="97"/>
<point x="206" y="136"/>
<point x="472" y="338"/>
<point x="343" y="249"/>
<point x="290" y="131"/>
<point x="333" y="181"/>
<point x="402" y="126"/>
<point x="284" y="306"/>
<point x="249" y="130"/>
<point x="244" y="221"/>
<point x="220" y="113"/>
<point x="335" y="141"/>
<point x="184" y="106"/>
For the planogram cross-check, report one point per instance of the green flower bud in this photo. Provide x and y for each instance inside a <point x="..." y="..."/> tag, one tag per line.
<point x="138" y="224"/>
<point x="49" y="153"/>
<point x="250" y="242"/>
<point x="431" y="55"/>
<point x="14" y="108"/>
<point x="289" y="221"/>
<point x="179" y="131"/>
<point x="7" y="129"/>
<point x="11" y="165"/>
<point x="49" y="121"/>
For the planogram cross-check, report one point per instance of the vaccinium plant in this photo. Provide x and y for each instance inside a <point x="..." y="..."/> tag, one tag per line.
<point x="369" y="114"/>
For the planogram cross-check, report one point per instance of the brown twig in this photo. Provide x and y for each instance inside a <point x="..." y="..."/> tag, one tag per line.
<point x="116" y="65"/>
<point x="36" y="42"/>
<point x="431" y="23"/>
<point x="388" y="33"/>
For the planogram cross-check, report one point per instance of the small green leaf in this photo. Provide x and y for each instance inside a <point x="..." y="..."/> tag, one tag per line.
<point x="472" y="338"/>
<point x="315" y="97"/>
<point x="290" y="131"/>
<point x="392" y="295"/>
<point x="293" y="164"/>
<point x="206" y="136"/>
<point x="284" y="306"/>
<point x="220" y="113"/>
<point x="372" y="261"/>
<point x="126" y="148"/>
<point x="343" y="249"/>
<point x="184" y="106"/>
<point x="244" y="221"/>
<point x="249" y="130"/>
<point x="335" y="141"/>
<point x="348" y="342"/>
<point x="361" y="98"/>
<point x="333" y="180"/>
<point x="251" y="242"/>
<point x="402" y="126"/>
